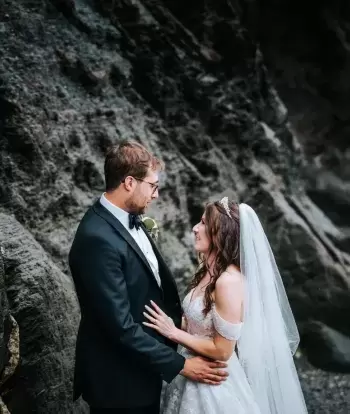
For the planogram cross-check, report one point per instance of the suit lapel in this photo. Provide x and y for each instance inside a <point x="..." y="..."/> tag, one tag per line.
<point x="113" y="221"/>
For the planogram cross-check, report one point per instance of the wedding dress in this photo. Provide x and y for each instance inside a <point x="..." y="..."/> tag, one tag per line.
<point x="233" y="396"/>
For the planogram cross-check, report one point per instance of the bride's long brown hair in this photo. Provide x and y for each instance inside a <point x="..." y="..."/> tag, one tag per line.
<point x="223" y="232"/>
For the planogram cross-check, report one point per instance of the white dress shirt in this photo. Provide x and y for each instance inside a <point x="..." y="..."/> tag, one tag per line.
<point x="138" y="235"/>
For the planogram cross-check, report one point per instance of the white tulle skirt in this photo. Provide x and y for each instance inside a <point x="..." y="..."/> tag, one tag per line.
<point x="233" y="396"/>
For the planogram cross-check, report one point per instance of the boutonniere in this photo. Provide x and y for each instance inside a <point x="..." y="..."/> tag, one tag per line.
<point x="151" y="227"/>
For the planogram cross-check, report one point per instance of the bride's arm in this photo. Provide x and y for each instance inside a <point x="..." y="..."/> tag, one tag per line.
<point x="228" y="304"/>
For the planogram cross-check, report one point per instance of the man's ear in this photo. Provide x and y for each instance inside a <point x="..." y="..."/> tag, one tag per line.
<point x="129" y="183"/>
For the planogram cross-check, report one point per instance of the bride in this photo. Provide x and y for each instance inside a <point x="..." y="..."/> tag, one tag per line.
<point x="237" y="311"/>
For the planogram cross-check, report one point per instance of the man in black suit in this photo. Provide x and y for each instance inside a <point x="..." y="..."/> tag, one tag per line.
<point x="117" y="270"/>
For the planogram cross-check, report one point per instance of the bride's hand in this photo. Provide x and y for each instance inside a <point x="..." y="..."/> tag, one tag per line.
<point x="160" y="321"/>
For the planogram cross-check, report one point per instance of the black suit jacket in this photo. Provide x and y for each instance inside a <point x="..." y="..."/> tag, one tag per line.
<point x="119" y="361"/>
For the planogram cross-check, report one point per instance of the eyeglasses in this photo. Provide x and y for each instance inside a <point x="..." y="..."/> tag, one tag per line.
<point x="154" y="186"/>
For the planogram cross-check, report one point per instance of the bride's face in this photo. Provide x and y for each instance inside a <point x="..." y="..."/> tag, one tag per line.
<point x="202" y="242"/>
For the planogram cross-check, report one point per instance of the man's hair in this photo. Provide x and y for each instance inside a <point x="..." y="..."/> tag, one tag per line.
<point x="128" y="158"/>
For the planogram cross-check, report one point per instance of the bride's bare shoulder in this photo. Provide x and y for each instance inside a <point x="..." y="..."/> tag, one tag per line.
<point x="229" y="282"/>
<point x="230" y="277"/>
<point x="229" y="294"/>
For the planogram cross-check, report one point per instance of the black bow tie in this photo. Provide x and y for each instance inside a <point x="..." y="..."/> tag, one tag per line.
<point x="134" y="221"/>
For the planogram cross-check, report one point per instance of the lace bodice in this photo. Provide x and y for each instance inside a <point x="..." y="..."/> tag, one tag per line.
<point x="207" y="326"/>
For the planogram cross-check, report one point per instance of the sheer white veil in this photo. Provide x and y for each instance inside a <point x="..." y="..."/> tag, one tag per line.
<point x="269" y="335"/>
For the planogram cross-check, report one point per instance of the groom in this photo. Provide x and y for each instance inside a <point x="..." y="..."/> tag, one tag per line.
<point x="117" y="270"/>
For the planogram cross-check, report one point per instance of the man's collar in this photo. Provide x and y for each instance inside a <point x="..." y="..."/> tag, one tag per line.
<point x="119" y="213"/>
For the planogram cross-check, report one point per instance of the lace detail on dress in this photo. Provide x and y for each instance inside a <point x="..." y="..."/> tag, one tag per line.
<point x="229" y="330"/>
<point x="207" y="326"/>
<point x="183" y="396"/>
<point x="197" y="323"/>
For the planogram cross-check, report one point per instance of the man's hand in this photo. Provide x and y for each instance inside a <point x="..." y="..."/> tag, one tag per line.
<point x="205" y="371"/>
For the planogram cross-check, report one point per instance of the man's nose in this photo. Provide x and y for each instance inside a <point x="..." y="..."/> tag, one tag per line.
<point x="155" y="194"/>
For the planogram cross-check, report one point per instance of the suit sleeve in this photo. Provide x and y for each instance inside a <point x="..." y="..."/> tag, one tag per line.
<point x="103" y="281"/>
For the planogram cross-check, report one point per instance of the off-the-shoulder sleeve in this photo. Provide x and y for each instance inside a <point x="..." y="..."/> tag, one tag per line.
<point x="229" y="330"/>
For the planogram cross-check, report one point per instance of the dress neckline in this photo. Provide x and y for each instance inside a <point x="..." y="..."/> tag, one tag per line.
<point x="194" y="298"/>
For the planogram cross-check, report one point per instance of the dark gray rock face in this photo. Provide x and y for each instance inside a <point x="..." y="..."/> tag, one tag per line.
<point x="311" y="77"/>
<point x="328" y="347"/>
<point x="309" y="67"/>
<point x="9" y="338"/>
<point x="189" y="82"/>
<point x="5" y="315"/>
<point x="42" y="301"/>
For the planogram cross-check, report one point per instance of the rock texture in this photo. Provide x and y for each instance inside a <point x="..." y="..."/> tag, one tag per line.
<point x="188" y="80"/>
<point x="324" y="393"/>
<point x="42" y="301"/>
<point x="309" y="68"/>
<point x="311" y="77"/>
<point x="9" y="339"/>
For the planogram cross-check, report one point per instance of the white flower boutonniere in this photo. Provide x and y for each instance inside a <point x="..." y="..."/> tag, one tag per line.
<point x="151" y="226"/>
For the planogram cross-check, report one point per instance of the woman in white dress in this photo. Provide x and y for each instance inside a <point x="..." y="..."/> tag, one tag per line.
<point x="236" y="302"/>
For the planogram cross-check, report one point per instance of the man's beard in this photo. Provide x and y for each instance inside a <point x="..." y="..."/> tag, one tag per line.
<point x="135" y="208"/>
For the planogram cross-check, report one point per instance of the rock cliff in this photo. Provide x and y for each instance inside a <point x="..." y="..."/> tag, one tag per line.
<point x="204" y="85"/>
